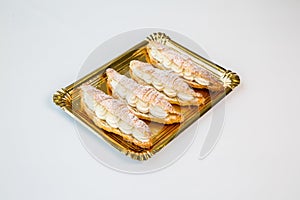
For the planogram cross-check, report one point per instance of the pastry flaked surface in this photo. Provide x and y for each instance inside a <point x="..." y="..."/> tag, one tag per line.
<point x="165" y="57"/>
<point x="145" y="101"/>
<point x="166" y="81"/>
<point x="114" y="116"/>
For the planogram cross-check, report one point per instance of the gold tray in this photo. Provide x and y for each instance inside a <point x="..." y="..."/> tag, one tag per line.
<point x="68" y="98"/>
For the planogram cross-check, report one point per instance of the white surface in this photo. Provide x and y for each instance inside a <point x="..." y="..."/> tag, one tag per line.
<point x="43" y="45"/>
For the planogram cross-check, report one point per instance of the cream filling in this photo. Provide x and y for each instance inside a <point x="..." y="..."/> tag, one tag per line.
<point x="100" y="111"/>
<point x="89" y="101"/>
<point x="188" y="75"/>
<point x="142" y="106"/>
<point x="157" y="111"/>
<point x="163" y="60"/>
<point x="185" y="97"/>
<point x="137" y="73"/>
<point x="176" y="68"/>
<point x="190" y="78"/>
<point x="144" y="76"/>
<point x="170" y="92"/>
<point x="113" y="83"/>
<point x="112" y="120"/>
<point x="125" y="128"/>
<point x="118" y="88"/>
<point x="167" y="63"/>
<point x="139" y="135"/>
<point x="147" y="78"/>
<point x="115" y="122"/>
<point x="158" y="85"/>
<point x="156" y="55"/>
<point x="121" y="90"/>
<point x="131" y="99"/>
<point x="201" y="81"/>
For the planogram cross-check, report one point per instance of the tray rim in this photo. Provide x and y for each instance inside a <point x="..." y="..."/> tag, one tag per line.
<point x="63" y="97"/>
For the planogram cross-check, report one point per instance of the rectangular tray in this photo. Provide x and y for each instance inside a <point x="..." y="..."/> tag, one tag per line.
<point x="68" y="97"/>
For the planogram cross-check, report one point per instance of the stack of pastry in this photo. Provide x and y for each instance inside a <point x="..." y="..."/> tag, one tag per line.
<point x="114" y="116"/>
<point x="149" y="94"/>
<point x="165" y="57"/>
<point x="177" y="91"/>
<point x="144" y="101"/>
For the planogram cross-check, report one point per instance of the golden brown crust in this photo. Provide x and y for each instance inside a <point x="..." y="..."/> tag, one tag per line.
<point x="153" y="61"/>
<point x="215" y="85"/>
<point x="145" y="93"/>
<point x="167" y="79"/>
<point x="102" y="124"/>
<point x="170" y="119"/>
<point x="174" y="100"/>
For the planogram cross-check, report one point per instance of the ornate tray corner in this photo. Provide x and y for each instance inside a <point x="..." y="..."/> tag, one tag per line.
<point x="230" y="79"/>
<point x="158" y="37"/>
<point x="62" y="98"/>
<point x="139" y="156"/>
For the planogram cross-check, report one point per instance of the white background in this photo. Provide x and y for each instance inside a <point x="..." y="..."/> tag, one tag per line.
<point x="43" y="45"/>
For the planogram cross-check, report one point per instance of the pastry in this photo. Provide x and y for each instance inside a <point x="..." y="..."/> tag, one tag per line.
<point x="166" y="81"/>
<point x="146" y="102"/>
<point x="114" y="116"/>
<point x="167" y="58"/>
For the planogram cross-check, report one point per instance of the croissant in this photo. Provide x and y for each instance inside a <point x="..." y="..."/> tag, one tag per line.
<point x="196" y="76"/>
<point x="166" y="81"/>
<point x="114" y="116"/>
<point x="146" y="102"/>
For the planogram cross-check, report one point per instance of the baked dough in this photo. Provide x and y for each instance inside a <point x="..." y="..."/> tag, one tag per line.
<point x="196" y="76"/>
<point x="168" y="82"/>
<point x="144" y="101"/>
<point x="113" y="115"/>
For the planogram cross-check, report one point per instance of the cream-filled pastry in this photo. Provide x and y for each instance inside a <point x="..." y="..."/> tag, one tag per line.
<point x="196" y="76"/>
<point x="146" y="102"/>
<point x="114" y="116"/>
<point x="166" y="81"/>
